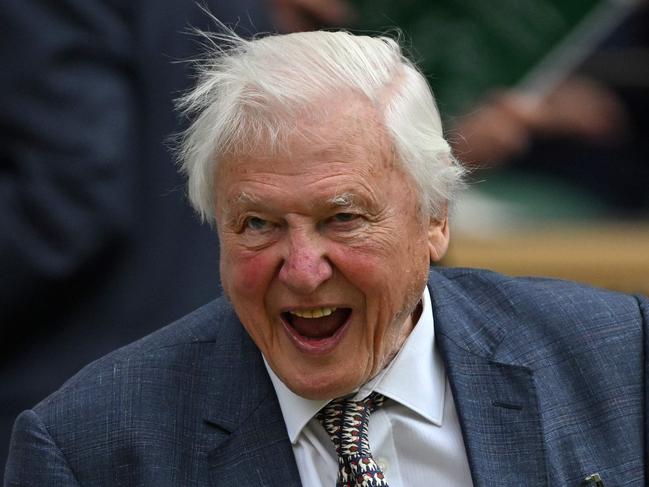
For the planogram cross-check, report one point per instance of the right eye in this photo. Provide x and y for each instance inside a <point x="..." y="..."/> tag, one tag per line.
<point x="255" y="223"/>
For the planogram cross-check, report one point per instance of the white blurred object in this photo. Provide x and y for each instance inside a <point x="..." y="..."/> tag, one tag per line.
<point x="480" y="215"/>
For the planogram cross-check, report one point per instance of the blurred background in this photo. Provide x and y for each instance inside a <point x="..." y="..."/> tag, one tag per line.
<point x="545" y="101"/>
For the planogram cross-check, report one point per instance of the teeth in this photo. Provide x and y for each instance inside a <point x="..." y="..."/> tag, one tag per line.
<point x="313" y="313"/>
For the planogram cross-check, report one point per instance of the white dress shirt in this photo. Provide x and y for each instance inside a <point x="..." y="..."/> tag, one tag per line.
<point x="415" y="437"/>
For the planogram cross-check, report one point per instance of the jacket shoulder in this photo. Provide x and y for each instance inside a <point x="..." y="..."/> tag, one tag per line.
<point x="532" y="317"/>
<point x="147" y="396"/>
<point x="213" y="326"/>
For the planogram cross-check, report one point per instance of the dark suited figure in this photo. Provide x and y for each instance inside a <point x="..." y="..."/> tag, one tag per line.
<point x="97" y="245"/>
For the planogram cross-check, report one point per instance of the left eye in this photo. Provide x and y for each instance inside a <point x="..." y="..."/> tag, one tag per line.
<point x="344" y="217"/>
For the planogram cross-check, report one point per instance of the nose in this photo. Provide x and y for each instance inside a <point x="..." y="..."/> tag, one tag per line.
<point x="305" y="266"/>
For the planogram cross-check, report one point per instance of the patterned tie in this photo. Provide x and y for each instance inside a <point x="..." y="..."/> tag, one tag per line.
<point x="346" y="422"/>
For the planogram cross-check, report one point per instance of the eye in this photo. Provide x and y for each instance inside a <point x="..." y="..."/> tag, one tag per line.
<point x="344" y="217"/>
<point x="255" y="223"/>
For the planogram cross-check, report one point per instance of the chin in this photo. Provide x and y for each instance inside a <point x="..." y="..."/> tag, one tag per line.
<point x="322" y="389"/>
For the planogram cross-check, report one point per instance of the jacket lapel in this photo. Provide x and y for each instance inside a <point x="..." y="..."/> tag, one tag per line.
<point x="495" y="400"/>
<point x="258" y="452"/>
<point x="251" y="445"/>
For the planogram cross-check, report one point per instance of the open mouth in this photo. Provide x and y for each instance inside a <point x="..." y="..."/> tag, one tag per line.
<point x="316" y="329"/>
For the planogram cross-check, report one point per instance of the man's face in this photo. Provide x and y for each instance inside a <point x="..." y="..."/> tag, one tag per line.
<point x="325" y="250"/>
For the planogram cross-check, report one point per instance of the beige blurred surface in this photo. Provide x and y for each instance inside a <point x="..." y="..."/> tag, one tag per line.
<point x="610" y="255"/>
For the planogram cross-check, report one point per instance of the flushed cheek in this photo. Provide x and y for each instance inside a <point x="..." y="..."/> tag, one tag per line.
<point x="245" y="280"/>
<point x="370" y="273"/>
<point x="358" y="264"/>
<point x="247" y="275"/>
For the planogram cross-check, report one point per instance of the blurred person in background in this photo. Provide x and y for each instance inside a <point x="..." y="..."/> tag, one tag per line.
<point x="97" y="245"/>
<point x="589" y="136"/>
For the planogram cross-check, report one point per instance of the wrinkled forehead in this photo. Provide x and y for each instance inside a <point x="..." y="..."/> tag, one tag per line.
<point x="338" y="122"/>
<point x="343" y="140"/>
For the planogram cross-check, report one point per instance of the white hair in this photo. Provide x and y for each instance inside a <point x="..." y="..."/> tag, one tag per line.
<point x="246" y="89"/>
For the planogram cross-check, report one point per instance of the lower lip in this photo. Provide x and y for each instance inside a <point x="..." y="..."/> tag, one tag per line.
<point x="316" y="346"/>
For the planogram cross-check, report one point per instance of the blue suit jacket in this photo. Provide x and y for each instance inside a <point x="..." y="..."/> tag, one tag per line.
<point x="549" y="380"/>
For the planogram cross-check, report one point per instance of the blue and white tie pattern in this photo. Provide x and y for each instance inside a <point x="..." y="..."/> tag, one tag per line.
<point x="346" y="422"/>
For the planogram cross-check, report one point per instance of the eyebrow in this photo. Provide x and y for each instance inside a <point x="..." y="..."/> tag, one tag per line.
<point x="241" y="199"/>
<point x="344" y="200"/>
<point x="244" y="198"/>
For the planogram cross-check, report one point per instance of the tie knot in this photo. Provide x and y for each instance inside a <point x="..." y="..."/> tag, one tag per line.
<point x="344" y="417"/>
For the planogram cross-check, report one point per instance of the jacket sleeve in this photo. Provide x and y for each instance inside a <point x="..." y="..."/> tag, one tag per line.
<point x="34" y="458"/>
<point x="66" y="146"/>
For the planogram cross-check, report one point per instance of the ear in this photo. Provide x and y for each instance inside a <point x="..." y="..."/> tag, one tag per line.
<point x="438" y="238"/>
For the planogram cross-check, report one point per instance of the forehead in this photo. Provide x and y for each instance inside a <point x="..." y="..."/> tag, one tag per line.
<point x="346" y="137"/>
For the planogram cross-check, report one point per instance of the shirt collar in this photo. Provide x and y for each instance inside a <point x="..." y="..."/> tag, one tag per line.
<point x="415" y="378"/>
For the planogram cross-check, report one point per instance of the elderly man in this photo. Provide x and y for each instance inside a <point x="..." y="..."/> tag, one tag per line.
<point x="339" y="357"/>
